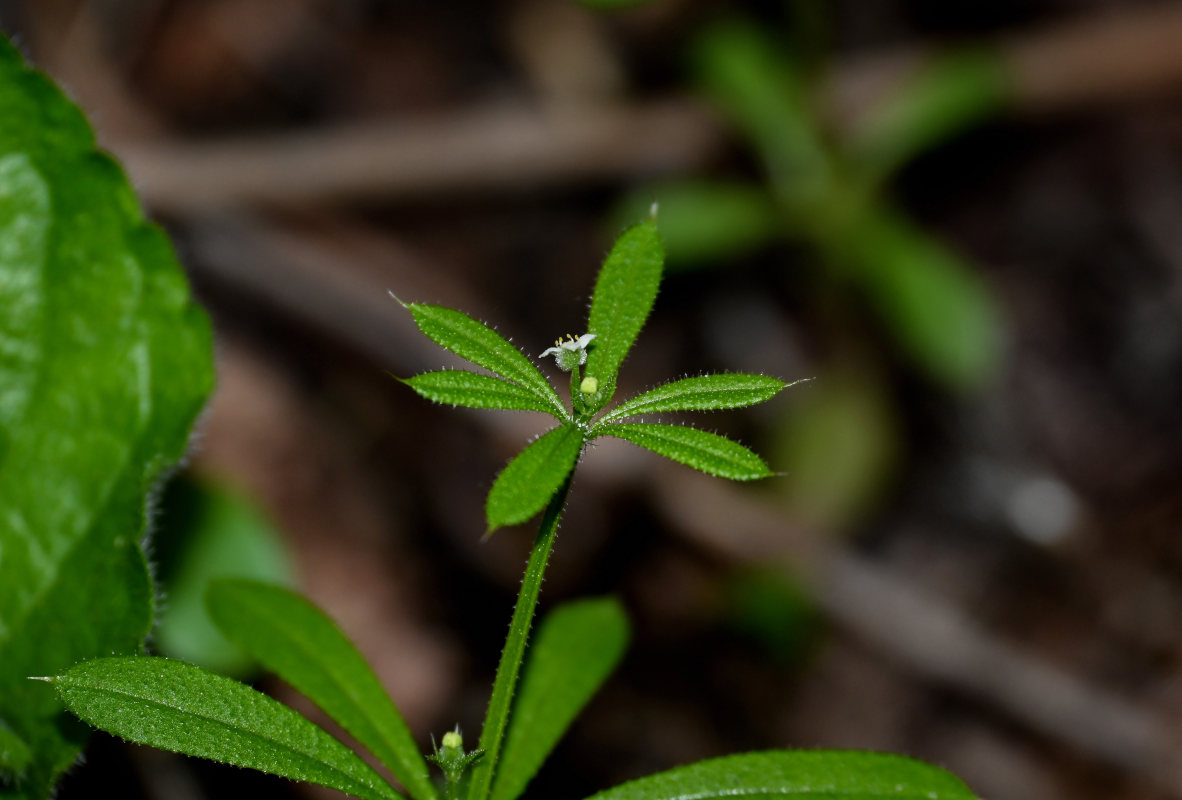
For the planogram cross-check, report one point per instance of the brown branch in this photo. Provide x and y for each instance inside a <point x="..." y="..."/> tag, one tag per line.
<point x="1096" y="61"/>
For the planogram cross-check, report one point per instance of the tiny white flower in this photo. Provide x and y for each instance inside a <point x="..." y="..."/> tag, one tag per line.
<point x="569" y="352"/>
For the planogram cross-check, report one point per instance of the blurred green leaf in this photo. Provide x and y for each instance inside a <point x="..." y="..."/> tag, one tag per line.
<point x="577" y="646"/>
<point x="938" y="309"/>
<point x="186" y="709"/>
<point x="803" y="774"/>
<point x="104" y="363"/>
<point x="15" y="755"/>
<point x="706" y="220"/>
<point x="756" y="83"/>
<point x="770" y="608"/>
<point x="459" y="387"/>
<point x="839" y="445"/>
<point x="947" y="95"/>
<point x="708" y="452"/>
<point x="298" y="642"/>
<point x="480" y="344"/>
<point x="208" y="533"/>
<point x="526" y="484"/>
<point x="624" y="295"/>
<point x="614" y="5"/>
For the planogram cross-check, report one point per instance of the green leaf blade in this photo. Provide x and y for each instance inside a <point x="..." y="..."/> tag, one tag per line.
<point x="298" y="642"/>
<point x="577" y="646"/>
<point x="473" y="340"/>
<point x="948" y="94"/>
<point x="624" y="295"/>
<point x="701" y="393"/>
<point x="533" y="476"/>
<point x="937" y="306"/>
<point x="104" y="364"/>
<point x="702" y="450"/>
<point x="802" y="774"/>
<point x="15" y="755"/>
<point x="457" y="387"/>
<point x="186" y="709"/>
<point x="705" y="221"/>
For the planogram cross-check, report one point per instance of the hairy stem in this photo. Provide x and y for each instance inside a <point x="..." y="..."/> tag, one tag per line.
<point x="497" y="717"/>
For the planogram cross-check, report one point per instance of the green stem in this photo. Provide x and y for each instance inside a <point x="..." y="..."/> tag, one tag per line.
<point x="497" y="718"/>
<point x="576" y="396"/>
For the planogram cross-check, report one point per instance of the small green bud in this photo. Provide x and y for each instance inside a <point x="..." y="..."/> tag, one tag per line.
<point x="453" y="740"/>
<point x="590" y="385"/>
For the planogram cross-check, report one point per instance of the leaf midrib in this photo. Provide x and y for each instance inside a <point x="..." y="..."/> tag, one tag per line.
<point x="244" y="731"/>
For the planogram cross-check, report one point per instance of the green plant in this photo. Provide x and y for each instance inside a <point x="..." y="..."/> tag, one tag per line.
<point x="824" y="188"/>
<point x="185" y="708"/>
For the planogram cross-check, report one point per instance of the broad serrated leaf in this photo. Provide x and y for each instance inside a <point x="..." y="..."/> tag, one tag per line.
<point x="480" y="344"/>
<point x="624" y="295"/>
<point x="528" y="481"/>
<point x="702" y="450"/>
<point x="802" y="774"/>
<point x="298" y="642"/>
<point x="459" y="387"/>
<point x="104" y="363"/>
<point x="186" y="709"/>
<point x="576" y="648"/>
<point x="701" y="393"/>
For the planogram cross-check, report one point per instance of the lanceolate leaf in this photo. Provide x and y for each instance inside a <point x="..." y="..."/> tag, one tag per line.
<point x="577" y="647"/>
<point x="527" y="482"/>
<point x="291" y="637"/>
<point x="708" y="452"/>
<point x="14" y="755"/>
<point x="459" y="387"/>
<point x="702" y="393"/>
<point x="800" y="774"/>
<point x="177" y="706"/>
<point x="104" y="363"/>
<point x="480" y="344"/>
<point x="624" y="294"/>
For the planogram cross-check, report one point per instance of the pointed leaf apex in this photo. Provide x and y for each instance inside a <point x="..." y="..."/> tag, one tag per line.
<point x="652" y="211"/>
<point x="397" y="299"/>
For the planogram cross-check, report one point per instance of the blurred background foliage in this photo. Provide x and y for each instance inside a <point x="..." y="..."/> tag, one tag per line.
<point x="961" y="219"/>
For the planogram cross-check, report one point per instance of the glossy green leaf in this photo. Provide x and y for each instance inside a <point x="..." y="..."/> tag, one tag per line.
<point x="298" y="642"/>
<point x="938" y="309"/>
<point x="706" y="221"/>
<point x="459" y="387"/>
<point x="577" y="646"/>
<point x="528" y="481"/>
<point x="480" y="344"/>
<point x="15" y="755"/>
<point x="702" y="450"/>
<point x="947" y="95"/>
<point x="624" y="295"/>
<point x="104" y="363"/>
<point x="801" y="774"/>
<point x="701" y="393"/>
<point x="204" y="533"/>
<point x="186" y="709"/>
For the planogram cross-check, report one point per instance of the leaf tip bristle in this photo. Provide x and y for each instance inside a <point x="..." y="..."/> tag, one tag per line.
<point x="397" y="299"/>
